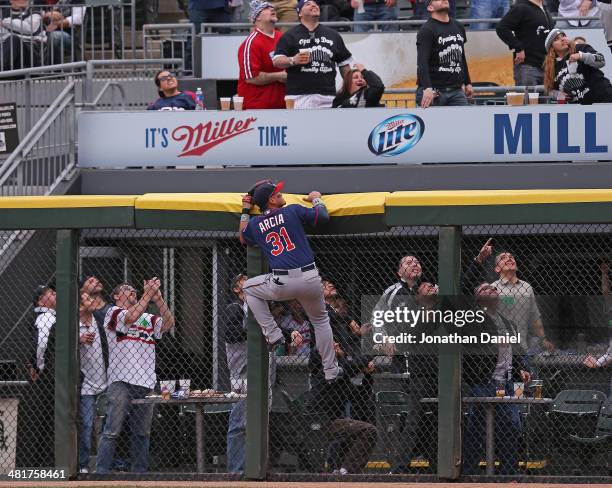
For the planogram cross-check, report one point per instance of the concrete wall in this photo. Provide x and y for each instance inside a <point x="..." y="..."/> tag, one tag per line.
<point x="352" y="179"/>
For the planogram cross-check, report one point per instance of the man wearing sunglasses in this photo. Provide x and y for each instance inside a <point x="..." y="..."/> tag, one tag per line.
<point x="132" y="335"/>
<point x="170" y="98"/>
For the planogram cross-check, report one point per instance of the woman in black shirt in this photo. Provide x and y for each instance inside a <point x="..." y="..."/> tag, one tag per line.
<point x="360" y="88"/>
<point x="575" y="71"/>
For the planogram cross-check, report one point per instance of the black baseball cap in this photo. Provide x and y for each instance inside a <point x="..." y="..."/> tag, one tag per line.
<point x="264" y="191"/>
<point x="39" y="292"/>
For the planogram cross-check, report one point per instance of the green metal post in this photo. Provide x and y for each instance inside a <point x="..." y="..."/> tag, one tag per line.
<point x="66" y="351"/>
<point x="257" y="386"/>
<point x="449" y="379"/>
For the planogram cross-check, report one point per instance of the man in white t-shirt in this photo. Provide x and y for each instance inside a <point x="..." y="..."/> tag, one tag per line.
<point x="93" y="374"/>
<point x="131" y="372"/>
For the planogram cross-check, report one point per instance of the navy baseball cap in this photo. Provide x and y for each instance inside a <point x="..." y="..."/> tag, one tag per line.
<point x="264" y="191"/>
<point x="301" y="3"/>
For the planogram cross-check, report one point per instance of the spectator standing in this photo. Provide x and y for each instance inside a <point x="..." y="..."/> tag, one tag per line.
<point x="574" y="71"/>
<point x="94" y="288"/>
<point x="170" y="98"/>
<point x="524" y="29"/>
<point x="347" y="333"/>
<point x="63" y="26"/>
<point x="44" y="307"/>
<point x="206" y="11"/>
<point x="132" y="335"/>
<point x="22" y="36"/>
<point x="209" y="11"/>
<point x="236" y="352"/>
<point x="310" y="52"/>
<point x="443" y="77"/>
<point x="401" y="294"/>
<point x="42" y="374"/>
<point x="578" y="8"/>
<point x="419" y="8"/>
<point x="260" y="83"/>
<point x="487" y="9"/>
<point x="518" y="302"/>
<point x="605" y="15"/>
<point x="484" y="369"/>
<point x="360" y="88"/>
<point x="93" y="374"/>
<point x="374" y="10"/>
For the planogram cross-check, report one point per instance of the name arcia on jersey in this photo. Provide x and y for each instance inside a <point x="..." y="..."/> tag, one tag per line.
<point x="269" y="222"/>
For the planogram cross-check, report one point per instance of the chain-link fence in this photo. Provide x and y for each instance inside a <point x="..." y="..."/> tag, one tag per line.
<point x="163" y="378"/>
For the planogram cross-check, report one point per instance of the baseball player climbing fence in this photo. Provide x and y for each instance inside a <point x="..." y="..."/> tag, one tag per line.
<point x="547" y="393"/>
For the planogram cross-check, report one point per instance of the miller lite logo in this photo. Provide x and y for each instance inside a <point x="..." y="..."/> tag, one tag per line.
<point x="396" y="135"/>
<point x="199" y="139"/>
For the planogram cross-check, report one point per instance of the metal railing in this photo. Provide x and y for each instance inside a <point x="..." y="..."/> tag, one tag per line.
<point x="46" y="155"/>
<point x="37" y="88"/>
<point x="172" y="40"/>
<point x="483" y="95"/>
<point x="58" y="34"/>
<point x="347" y="25"/>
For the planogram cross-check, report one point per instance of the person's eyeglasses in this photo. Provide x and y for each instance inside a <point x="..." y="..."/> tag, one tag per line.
<point x="129" y="291"/>
<point x="169" y="76"/>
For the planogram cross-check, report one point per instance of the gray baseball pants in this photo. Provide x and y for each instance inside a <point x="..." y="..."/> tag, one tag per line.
<point x="306" y="288"/>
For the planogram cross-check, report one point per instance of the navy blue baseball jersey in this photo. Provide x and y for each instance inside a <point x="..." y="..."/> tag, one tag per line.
<point x="280" y="233"/>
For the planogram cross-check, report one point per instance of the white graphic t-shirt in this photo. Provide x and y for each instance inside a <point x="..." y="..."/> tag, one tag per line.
<point x="131" y="347"/>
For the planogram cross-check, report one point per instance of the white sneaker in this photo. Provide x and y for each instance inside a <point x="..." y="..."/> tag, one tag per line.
<point x="84" y="471"/>
<point x="340" y="471"/>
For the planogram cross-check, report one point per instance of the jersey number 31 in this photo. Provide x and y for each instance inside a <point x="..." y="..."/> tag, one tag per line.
<point x="277" y="238"/>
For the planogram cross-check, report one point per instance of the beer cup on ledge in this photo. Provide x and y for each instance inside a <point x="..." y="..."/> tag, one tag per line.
<point x="225" y="103"/>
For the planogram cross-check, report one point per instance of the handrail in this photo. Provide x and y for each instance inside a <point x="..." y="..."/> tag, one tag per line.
<point x="53" y="69"/>
<point x="43" y="69"/>
<point x="344" y="23"/>
<point x="37" y="131"/>
<point x="477" y="89"/>
<point x="107" y="85"/>
<point x="127" y="62"/>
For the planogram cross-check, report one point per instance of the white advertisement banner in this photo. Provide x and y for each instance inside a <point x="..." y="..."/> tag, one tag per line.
<point x="346" y="136"/>
<point x="8" y="433"/>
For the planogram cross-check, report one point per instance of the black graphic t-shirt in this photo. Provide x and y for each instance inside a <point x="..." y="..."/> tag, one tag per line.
<point x="326" y="50"/>
<point x="524" y="28"/>
<point x="587" y="84"/>
<point x="441" y="59"/>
